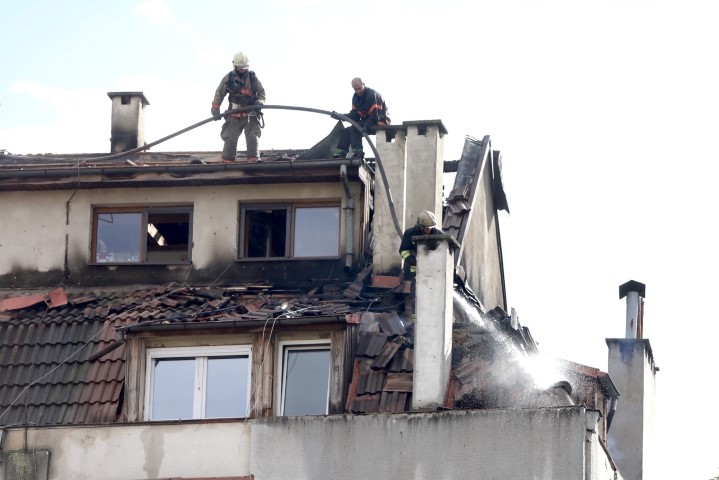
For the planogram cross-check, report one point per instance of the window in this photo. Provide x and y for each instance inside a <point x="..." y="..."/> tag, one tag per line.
<point x="305" y="377"/>
<point x="197" y="382"/>
<point x="289" y="231"/>
<point x="142" y="235"/>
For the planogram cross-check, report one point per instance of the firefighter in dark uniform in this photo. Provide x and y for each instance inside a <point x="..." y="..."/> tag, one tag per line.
<point x="369" y="110"/>
<point x="244" y="89"/>
<point x="426" y="222"/>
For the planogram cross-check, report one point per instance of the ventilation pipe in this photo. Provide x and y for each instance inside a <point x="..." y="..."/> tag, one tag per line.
<point x="634" y="291"/>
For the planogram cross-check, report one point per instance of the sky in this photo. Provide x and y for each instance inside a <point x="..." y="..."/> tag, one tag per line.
<point x="605" y="113"/>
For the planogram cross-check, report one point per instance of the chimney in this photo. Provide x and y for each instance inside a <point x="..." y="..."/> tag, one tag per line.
<point x="127" y="121"/>
<point x="634" y="291"/>
<point x="412" y="159"/>
<point x="632" y="369"/>
<point x="433" y="327"/>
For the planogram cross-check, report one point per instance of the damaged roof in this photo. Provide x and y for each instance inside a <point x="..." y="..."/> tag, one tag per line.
<point x="64" y="363"/>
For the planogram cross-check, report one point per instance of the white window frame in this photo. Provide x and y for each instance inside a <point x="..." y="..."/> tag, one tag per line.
<point x="200" y="354"/>
<point x="285" y="347"/>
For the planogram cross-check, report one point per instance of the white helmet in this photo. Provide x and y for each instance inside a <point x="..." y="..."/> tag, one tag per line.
<point x="426" y="219"/>
<point x="241" y="60"/>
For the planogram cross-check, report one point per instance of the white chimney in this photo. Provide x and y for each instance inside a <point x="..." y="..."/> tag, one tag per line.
<point x="411" y="155"/>
<point x="433" y="325"/>
<point x="127" y="121"/>
<point x="632" y="369"/>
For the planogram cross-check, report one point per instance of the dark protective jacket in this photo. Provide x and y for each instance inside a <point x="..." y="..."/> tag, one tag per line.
<point x="369" y="109"/>
<point x="242" y="89"/>
<point x="407" y="247"/>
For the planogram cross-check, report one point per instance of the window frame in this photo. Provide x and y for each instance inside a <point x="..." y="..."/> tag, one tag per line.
<point x="200" y="354"/>
<point x="290" y="228"/>
<point x="145" y="211"/>
<point x="283" y="349"/>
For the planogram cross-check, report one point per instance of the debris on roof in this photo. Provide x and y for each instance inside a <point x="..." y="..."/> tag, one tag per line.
<point x="66" y="365"/>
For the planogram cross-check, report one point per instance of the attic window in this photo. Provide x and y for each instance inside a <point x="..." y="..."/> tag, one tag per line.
<point x="305" y="374"/>
<point x="289" y="231"/>
<point x="184" y="383"/>
<point x="142" y="235"/>
<point x="125" y="99"/>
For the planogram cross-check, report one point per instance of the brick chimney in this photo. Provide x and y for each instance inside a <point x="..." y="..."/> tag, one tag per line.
<point x="632" y="369"/>
<point x="127" y="121"/>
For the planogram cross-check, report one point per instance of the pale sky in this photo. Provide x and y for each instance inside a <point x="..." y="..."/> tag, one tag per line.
<point x="606" y="115"/>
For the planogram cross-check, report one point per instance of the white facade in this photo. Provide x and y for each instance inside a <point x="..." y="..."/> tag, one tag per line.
<point x="37" y="234"/>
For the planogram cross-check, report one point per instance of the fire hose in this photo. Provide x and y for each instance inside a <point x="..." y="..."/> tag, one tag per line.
<point x="250" y="108"/>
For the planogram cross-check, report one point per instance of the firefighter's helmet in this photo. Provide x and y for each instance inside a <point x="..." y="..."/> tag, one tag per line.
<point x="426" y="219"/>
<point x="241" y="60"/>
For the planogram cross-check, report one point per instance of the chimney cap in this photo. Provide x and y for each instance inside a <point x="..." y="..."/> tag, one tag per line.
<point x="632" y="286"/>
<point x="130" y="94"/>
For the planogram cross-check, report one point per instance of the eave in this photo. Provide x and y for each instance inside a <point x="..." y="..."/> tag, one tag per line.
<point x="168" y="170"/>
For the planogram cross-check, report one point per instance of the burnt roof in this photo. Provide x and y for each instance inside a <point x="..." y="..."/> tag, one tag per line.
<point x="63" y="357"/>
<point x="66" y="364"/>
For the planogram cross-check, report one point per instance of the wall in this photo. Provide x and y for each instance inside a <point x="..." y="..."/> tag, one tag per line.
<point x="516" y="444"/>
<point x="549" y="443"/>
<point x="630" y="437"/>
<point x="35" y="226"/>
<point x="122" y="452"/>
<point x="480" y="258"/>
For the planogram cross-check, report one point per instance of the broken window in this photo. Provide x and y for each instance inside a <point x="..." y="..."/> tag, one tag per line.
<point x="197" y="382"/>
<point x="159" y="235"/>
<point x="305" y="374"/>
<point x="289" y="231"/>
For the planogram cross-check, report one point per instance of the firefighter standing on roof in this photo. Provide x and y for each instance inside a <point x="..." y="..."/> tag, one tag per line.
<point x="244" y="89"/>
<point x="369" y="110"/>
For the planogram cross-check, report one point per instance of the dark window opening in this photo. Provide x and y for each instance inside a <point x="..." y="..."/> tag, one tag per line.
<point x="168" y="236"/>
<point x="125" y="99"/>
<point x="142" y="235"/>
<point x="290" y="231"/>
<point x="266" y="232"/>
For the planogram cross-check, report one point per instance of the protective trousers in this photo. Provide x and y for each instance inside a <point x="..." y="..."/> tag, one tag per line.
<point x="350" y="135"/>
<point x="231" y="131"/>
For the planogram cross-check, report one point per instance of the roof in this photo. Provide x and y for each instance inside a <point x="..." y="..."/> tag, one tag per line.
<point x="65" y="362"/>
<point x="151" y="169"/>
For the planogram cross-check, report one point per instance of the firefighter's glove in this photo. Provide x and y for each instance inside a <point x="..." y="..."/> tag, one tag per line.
<point x="259" y="105"/>
<point x="215" y="113"/>
<point x="335" y="115"/>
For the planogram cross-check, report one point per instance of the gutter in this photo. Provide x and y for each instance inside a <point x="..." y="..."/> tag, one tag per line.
<point x="222" y="324"/>
<point x="349" y="219"/>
